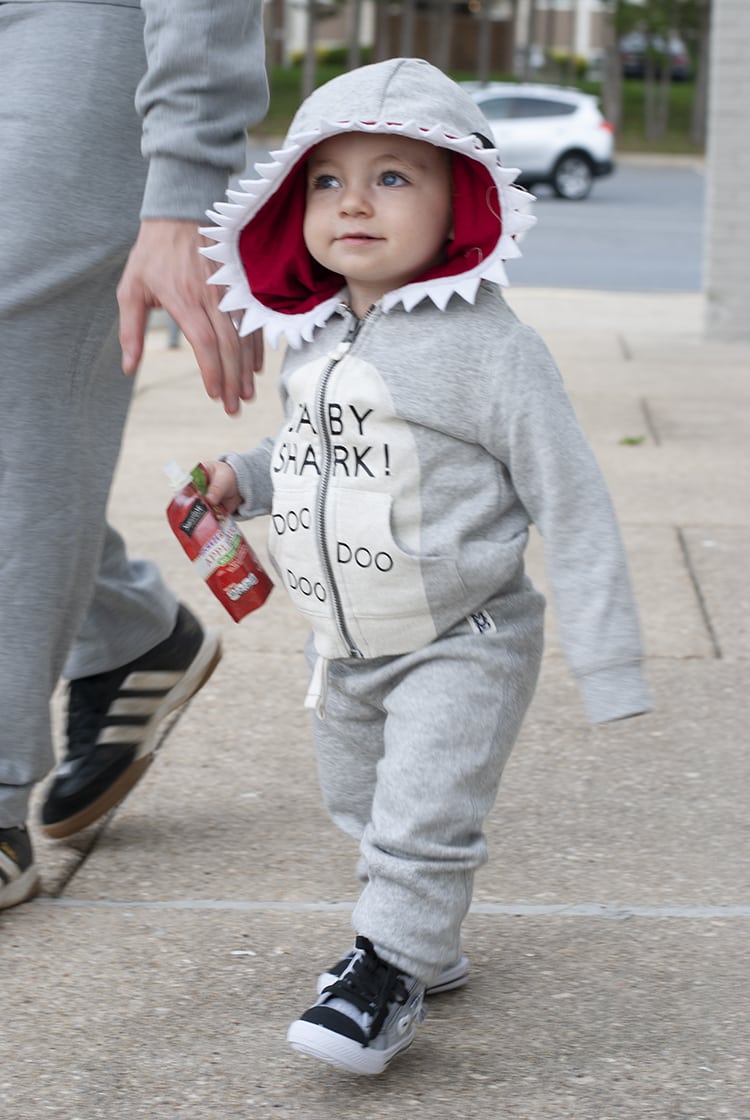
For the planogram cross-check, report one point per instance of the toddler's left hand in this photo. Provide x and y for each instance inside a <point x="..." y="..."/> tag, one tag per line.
<point x="222" y="486"/>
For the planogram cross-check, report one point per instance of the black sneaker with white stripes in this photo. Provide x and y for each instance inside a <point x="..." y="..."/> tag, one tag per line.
<point x="365" y="1018"/>
<point x="19" y="878"/>
<point x="113" y="724"/>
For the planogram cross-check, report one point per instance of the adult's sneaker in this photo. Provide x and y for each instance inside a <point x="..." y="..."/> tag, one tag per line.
<point x="19" y="878"/>
<point x="453" y="976"/>
<point x="113" y="724"/>
<point x="365" y="1018"/>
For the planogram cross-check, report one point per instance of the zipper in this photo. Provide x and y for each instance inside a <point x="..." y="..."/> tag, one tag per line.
<point x="326" y="472"/>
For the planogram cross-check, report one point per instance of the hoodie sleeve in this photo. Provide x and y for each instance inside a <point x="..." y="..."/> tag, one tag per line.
<point x="205" y="84"/>
<point x="253" y="472"/>
<point x="556" y="476"/>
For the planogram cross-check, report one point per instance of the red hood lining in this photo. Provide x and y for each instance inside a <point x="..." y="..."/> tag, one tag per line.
<point x="285" y="278"/>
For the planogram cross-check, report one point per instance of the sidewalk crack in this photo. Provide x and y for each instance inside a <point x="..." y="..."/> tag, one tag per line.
<point x="649" y="421"/>
<point x="702" y="605"/>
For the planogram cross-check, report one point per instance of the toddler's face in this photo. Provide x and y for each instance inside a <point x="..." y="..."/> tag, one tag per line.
<point x="379" y="210"/>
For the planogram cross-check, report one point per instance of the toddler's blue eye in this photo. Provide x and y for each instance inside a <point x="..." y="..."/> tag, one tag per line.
<point x="392" y="179"/>
<point x="324" y="182"/>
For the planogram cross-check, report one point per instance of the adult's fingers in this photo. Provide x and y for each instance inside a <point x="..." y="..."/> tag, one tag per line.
<point x="165" y="269"/>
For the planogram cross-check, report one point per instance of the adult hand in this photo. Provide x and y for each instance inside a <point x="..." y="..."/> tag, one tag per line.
<point x="166" y="270"/>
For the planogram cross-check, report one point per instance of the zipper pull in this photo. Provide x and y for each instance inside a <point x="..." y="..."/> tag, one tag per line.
<point x="341" y="349"/>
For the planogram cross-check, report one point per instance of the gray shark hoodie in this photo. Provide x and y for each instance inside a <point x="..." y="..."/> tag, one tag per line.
<point x="422" y="441"/>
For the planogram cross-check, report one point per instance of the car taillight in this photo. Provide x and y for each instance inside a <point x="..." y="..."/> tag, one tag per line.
<point x="607" y="126"/>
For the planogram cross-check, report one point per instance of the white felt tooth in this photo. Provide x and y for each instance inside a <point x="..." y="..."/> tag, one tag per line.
<point x="411" y="298"/>
<point x="467" y="289"/>
<point x="440" y="296"/>
<point x="249" y="185"/>
<point x="496" y="274"/>
<point x="226" y="275"/>
<point x="220" y="253"/>
<point x="223" y="255"/>
<point x="304" y="140"/>
<point x="252" y="320"/>
<point x="221" y="220"/>
<point x="521" y="222"/>
<point x="268" y="171"/>
<point x="228" y="209"/>
<point x="506" y="175"/>
<point x="235" y="300"/>
<point x="510" y="250"/>
<point x="273" y="331"/>
<point x="469" y="144"/>
<point x="240" y="197"/>
<point x="230" y="302"/>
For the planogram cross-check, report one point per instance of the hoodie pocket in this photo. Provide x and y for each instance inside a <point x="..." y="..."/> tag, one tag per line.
<point x="377" y="577"/>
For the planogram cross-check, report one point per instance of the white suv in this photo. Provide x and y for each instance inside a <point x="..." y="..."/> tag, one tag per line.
<point x="554" y="135"/>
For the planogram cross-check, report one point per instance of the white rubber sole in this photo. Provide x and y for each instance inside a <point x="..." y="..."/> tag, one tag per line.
<point x="343" y="1053"/>
<point x="21" y="889"/>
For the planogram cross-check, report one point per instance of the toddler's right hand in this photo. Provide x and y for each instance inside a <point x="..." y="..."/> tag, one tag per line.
<point x="222" y="486"/>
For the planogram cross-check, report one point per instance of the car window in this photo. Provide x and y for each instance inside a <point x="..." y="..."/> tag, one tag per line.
<point x="496" y="108"/>
<point x="541" y="107"/>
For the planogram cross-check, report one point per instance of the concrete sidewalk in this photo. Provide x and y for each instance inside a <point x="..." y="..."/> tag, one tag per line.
<point x="156" y="975"/>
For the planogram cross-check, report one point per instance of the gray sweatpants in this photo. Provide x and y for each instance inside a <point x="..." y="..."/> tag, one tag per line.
<point x="410" y="755"/>
<point x="71" y="180"/>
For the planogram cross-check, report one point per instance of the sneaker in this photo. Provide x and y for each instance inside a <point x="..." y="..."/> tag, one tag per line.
<point x="19" y="878"/>
<point x="113" y="724"/>
<point x="362" y="1020"/>
<point x="454" y="976"/>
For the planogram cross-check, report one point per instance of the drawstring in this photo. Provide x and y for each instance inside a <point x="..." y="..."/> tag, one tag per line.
<point x="318" y="690"/>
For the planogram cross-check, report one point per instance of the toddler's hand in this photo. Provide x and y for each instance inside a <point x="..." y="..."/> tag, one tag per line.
<point x="222" y="486"/>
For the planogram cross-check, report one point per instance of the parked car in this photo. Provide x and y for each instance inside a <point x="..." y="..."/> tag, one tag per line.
<point x="635" y="46"/>
<point x="554" y="135"/>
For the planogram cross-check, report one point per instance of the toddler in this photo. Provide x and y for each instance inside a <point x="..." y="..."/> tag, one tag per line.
<point x="425" y="429"/>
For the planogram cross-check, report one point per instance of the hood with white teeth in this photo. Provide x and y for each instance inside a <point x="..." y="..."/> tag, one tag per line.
<point x="272" y="281"/>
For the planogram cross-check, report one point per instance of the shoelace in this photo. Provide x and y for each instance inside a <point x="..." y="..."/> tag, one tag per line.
<point x="371" y="985"/>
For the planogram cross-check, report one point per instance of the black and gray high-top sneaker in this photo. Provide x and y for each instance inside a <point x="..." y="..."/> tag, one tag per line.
<point x="19" y="878"/>
<point x="365" y="1018"/>
<point x="113" y="724"/>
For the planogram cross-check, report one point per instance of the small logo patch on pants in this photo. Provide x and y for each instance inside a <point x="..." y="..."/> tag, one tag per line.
<point x="481" y="623"/>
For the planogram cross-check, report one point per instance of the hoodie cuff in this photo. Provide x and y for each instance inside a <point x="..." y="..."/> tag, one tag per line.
<point x="255" y="498"/>
<point x="615" y="693"/>
<point x="180" y="190"/>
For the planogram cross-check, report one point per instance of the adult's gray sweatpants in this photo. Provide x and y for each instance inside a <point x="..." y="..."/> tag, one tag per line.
<point x="410" y="755"/>
<point x="71" y="181"/>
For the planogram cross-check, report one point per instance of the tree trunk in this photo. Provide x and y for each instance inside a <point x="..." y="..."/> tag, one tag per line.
<point x="406" y="43"/>
<point x="526" y="71"/>
<point x="441" y="33"/>
<point x="382" y="31"/>
<point x="484" y="46"/>
<point x="354" y="52"/>
<point x="699" y="111"/>
<point x="308" y="68"/>
<point x="612" y="73"/>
